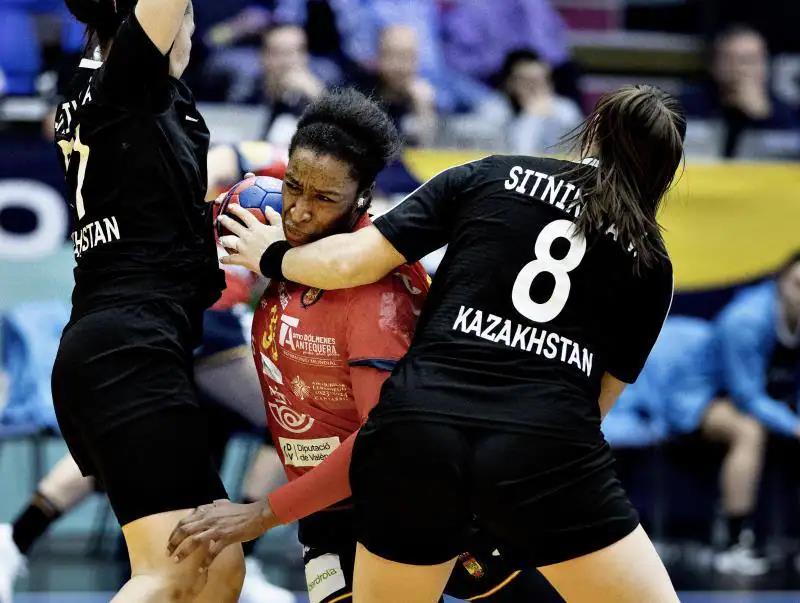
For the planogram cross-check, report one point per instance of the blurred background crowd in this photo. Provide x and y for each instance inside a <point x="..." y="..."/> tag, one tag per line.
<point x="506" y="75"/>
<point x="708" y="439"/>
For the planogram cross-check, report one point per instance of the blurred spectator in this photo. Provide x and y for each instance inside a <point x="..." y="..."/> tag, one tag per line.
<point x="759" y="339"/>
<point x="478" y="35"/>
<point x="524" y="116"/>
<point x="350" y="31"/>
<point x="675" y="398"/>
<point x="739" y="91"/>
<point x="409" y="98"/>
<point x="289" y="84"/>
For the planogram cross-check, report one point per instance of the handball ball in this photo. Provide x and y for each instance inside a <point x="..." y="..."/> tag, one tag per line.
<point x="254" y="194"/>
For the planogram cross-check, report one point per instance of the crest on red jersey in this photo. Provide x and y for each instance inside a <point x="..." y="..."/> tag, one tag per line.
<point x="311" y="296"/>
<point x="299" y="388"/>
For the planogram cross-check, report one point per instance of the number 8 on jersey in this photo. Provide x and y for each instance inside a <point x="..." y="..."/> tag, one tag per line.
<point x="545" y="262"/>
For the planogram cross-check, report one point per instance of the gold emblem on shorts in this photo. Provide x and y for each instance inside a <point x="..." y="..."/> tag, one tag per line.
<point x="471" y="564"/>
<point x="311" y="296"/>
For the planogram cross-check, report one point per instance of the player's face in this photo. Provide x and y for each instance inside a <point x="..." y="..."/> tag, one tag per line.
<point x="790" y="292"/>
<point x="319" y="197"/>
<point x="182" y="48"/>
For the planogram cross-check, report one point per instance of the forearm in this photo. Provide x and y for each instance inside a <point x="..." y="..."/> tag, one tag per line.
<point x="323" y="486"/>
<point x="341" y="261"/>
<point x="329" y="482"/>
<point x="775" y="415"/>
<point x="610" y="390"/>
<point x="161" y="20"/>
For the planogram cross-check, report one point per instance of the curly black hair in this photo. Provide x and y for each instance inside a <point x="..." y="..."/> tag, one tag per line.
<point x="353" y="128"/>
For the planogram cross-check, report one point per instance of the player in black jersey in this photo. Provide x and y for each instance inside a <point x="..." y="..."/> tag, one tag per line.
<point x="134" y="151"/>
<point x="553" y="289"/>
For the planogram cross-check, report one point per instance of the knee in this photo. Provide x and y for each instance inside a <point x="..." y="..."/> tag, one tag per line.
<point x="231" y="574"/>
<point x="225" y="577"/>
<point x="751" y="434"/>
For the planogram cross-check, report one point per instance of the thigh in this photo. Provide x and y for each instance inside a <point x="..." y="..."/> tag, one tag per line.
<point x="146" y="540"/>
<point x="549" y="500"/>
<point x="131" y="416"/>
<point x="628" y="571"/>
<point x="119" y="364"/>
<point x="157" y="463"/>
<point x="379" y="580"/>
<point x="410" y="488"/>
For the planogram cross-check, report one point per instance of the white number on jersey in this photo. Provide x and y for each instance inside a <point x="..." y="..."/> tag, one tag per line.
<point x="545" y="262"/>
<point x="67" y="146"/>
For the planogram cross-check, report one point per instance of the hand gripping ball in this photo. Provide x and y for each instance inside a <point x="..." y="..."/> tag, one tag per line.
<point x="254" y="194"/>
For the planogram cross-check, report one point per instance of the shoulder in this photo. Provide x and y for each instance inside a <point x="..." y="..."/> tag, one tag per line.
<point x="649" y="287"/>
<point x="659" y="279"/>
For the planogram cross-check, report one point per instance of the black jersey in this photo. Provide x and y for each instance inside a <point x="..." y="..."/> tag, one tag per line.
<point x="133" y="147"/>
<point x="525" y="315"/>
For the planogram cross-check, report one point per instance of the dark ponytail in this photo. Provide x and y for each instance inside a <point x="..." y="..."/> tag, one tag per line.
<point x="102" y="17"/>
<point x="636" y="133"/>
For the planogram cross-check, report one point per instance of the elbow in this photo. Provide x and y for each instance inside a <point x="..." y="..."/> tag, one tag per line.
<point x="344" y="271"/>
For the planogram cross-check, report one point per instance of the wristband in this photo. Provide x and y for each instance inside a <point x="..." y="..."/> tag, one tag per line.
<point x="272" y="259"/>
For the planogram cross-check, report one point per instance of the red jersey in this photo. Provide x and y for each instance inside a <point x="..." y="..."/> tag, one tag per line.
<point x="305" y="342"/>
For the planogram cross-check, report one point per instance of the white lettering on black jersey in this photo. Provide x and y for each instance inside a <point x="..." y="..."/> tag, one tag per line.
<point x="525" y="314"/>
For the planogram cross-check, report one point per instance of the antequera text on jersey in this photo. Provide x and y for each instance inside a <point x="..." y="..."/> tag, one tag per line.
<point x="530" y="339"/>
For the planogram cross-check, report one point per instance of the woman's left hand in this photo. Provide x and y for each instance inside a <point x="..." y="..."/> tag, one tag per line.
<point x="218" y="525"/>
<point x="249" y="239"/>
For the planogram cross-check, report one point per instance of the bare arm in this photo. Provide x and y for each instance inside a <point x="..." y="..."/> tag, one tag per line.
<point x="610" y="390"/>
<point x="341" y="261"/>
<point x="161" y="20"/>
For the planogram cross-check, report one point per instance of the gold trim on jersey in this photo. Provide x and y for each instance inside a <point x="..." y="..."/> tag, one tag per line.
<point x="497" y="588"/>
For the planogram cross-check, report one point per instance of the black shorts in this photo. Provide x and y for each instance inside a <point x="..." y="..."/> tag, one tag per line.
<point x="419" y="486"/>
<point x="127" y="408"/>
<point x="481" y="574"/>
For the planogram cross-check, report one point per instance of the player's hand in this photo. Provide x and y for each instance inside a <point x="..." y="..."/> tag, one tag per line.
<point x="250" y="239"/>
<point x="218" y="525"/>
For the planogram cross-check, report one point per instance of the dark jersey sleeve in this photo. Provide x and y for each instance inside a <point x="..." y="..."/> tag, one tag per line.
<point x="421" y="223"/>
<point x="135" y="72"/>
<point x="637" y="321"/>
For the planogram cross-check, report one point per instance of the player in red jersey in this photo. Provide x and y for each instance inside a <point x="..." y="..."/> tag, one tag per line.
<point x="322" y="358"/>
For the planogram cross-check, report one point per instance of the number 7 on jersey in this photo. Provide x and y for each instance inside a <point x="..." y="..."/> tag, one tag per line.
<point x="67" y="147"/>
